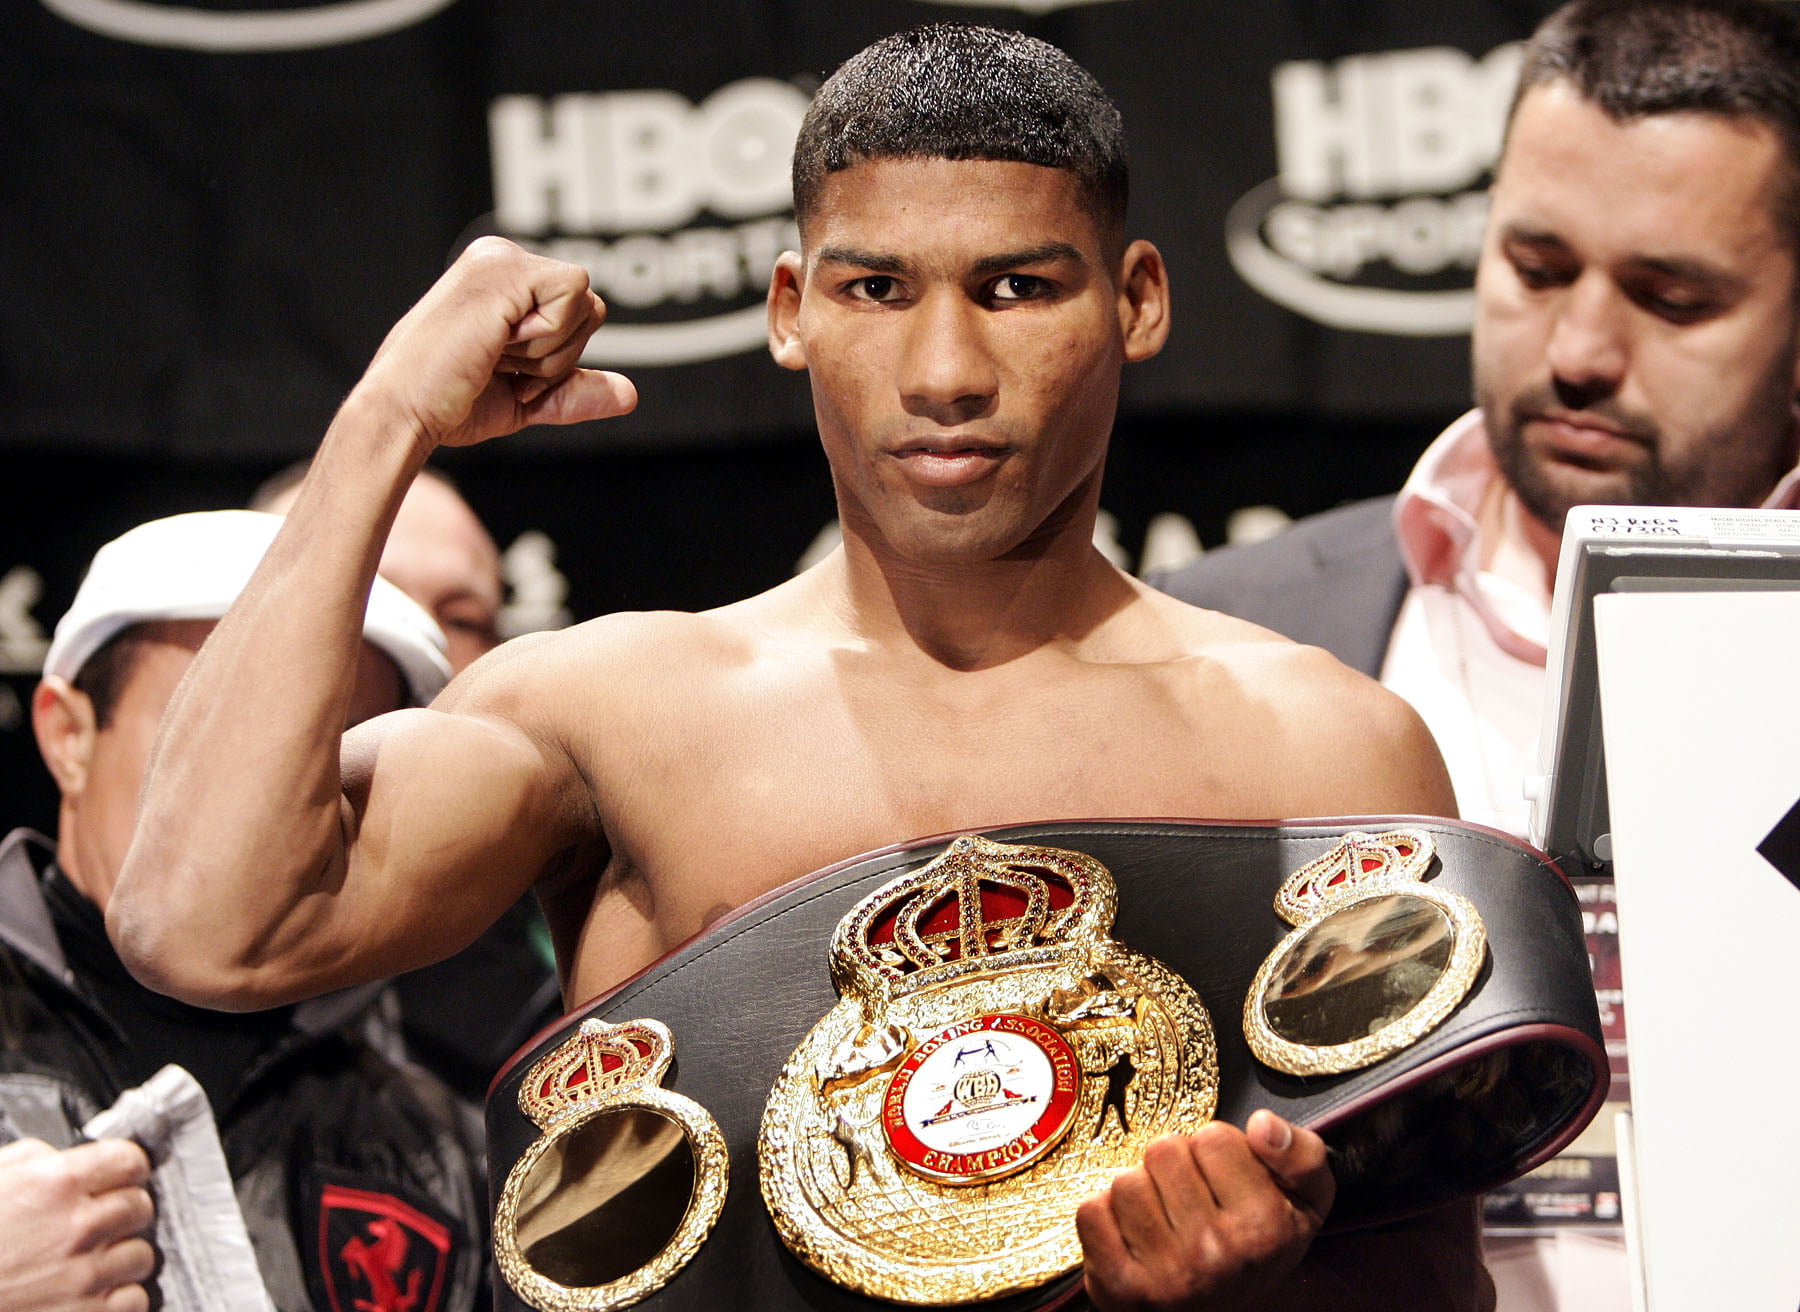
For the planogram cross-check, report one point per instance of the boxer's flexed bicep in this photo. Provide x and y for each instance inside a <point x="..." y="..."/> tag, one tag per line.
<point x="449" y="817"/>
<point x="432" y="822"/>
<point x="248" y="836"/>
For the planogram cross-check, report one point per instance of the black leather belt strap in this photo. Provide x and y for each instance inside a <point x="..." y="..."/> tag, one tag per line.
<point x="1508" y="1079"/>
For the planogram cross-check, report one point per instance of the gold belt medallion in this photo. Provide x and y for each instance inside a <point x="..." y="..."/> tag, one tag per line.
<point x="625" y="1182"/>
<point x="1376" y="961"/>
<point x="995" y="1057"/>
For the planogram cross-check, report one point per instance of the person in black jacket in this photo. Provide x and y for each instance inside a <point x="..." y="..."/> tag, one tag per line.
<point x="357" y="1181"/>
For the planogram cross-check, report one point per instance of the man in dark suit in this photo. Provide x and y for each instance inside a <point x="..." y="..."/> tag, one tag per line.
<point x="1636" y="341"/>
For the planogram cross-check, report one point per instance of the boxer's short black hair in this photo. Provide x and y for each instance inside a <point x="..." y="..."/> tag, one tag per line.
<point x="961" y="92"/>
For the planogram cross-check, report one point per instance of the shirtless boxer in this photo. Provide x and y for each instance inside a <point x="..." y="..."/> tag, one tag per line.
<point x="964" y="302"/>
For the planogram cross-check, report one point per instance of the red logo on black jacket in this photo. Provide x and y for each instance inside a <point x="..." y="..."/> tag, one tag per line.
<point x="379" y="1254"/>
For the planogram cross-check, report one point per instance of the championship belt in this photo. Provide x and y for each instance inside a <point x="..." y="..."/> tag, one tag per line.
<point x="995" y="1058"/>
<point x="904" y="1073"/>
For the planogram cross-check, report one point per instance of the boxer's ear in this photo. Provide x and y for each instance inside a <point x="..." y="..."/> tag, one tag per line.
<point x="785" y="287"/>
<point x="1143" y="301"/>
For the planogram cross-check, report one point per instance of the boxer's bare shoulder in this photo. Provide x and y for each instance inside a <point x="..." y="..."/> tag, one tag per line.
<point x="1324" y="739"/>
<point x="776" y="720"/>
<point x="611" y="687"/>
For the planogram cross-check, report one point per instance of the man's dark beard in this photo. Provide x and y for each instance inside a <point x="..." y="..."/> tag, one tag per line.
<point x="1643" y="485"/>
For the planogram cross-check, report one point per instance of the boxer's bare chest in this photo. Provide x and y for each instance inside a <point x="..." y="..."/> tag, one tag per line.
<point x="746" y="788"/>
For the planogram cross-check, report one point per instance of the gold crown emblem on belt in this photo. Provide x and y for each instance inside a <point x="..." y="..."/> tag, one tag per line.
<point x="980" y="906"/>
<point x="597" y="1062"/>
<point x="1356" y="865"/>
<point x="994" y="1058"/>
<point x="616" y="1145"/>
<point x="1376" y="960"/>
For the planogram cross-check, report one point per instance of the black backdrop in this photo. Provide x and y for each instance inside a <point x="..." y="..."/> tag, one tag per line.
<point x="212" y="212"/>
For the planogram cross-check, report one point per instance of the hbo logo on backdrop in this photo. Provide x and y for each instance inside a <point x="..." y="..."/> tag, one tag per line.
<point x="677" y="210"/>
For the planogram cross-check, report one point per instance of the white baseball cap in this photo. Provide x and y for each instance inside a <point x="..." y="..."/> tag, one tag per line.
<point x="192" y="567"/>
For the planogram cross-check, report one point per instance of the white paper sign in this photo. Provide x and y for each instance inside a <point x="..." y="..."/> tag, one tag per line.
<point x="1700" y="695"/>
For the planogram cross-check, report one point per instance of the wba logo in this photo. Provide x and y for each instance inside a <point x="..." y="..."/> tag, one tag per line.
<point x="678" y="211"/>
<point x="1375" y="220"/>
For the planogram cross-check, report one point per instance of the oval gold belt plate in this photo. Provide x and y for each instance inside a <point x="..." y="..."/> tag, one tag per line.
<point x="994" y="1059"/>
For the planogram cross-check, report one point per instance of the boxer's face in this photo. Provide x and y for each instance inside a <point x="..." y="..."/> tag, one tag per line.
<point x="964" y="324"/>
<point x="1637" y="335"/>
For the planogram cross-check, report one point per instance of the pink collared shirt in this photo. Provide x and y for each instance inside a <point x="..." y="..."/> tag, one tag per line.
<point x="1468" y="648"/>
